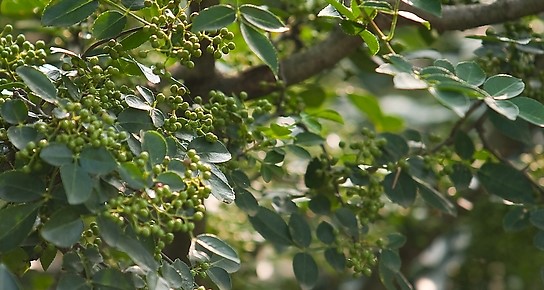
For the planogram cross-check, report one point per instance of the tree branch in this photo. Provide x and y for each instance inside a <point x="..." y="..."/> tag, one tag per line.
<point x="258" y="81"/>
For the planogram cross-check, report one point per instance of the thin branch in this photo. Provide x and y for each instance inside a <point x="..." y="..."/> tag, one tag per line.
<point x="258" y="81"/>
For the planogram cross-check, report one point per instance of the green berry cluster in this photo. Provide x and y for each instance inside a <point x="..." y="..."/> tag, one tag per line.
<point x="160" y="211"/>
<point x="221" y="43"/>
<point x="16" y="51"/>
<point x="361" y="258"/>
<point x="233" y="120"/>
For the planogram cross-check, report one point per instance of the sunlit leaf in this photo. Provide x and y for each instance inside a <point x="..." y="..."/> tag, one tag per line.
<point x="38" y="82"/>
<point x="261" y="46"/>
<point x="262" y="18"/>
<point x="213" y="18"/>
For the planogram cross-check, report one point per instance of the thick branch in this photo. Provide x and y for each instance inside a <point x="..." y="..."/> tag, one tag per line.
<point x="325" y="54"/>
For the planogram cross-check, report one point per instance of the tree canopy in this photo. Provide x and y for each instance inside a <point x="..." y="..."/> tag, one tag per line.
<point x="363" y="144"/>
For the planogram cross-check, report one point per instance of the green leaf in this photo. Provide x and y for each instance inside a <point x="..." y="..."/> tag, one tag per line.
<point x="518" y="130"/>
<point x="134" y="40"/>
<point x="185" y="273"/>
<point x="435" y="198"/>
<point x="537" y="218"/>
<point x="348" y="220"/>
<point x="137" y="103"/>
<point x="456" y="101"/>
<point x="47" y="257"/>
<point x="390" y="259"/>
<point x="461" y="176"/>
<point x="305" y="269"/>
<point x="325" y="233"/>
<point x="395" y="149"/>
<point x="400" y="188"/>
<point x="14" y="111"/>
<point x="8" y="281"/>
<point x="72" y="281"/>
<point x="172" y="179"/>
<point x="77" y="183"/>
<point x="470" y="72"/>
<point x="328" y="114"/>
<point x="20" y="136"/>
<point x="503" y="107"/>
<point x="431" y="6"/>
<point x="97" y="160"/>
<point x="109" y="24"/>
<point x="133" y="4"/>
<point x="157" y="117"/>
<point x="368" y="105"/>
<point x="371" y="40"/>
<point x="213" y="152"/>
<point x="299" y="228"/>
<point x="464" y="147"/>
<point x="352" y="27"/>
<point x="38" y="83"/>
<point x="271" y="226"/>
<point x="72" y="89"/>
<point x="64" y="228"/>
<point x="147" y="94"/>
<point x="506" y="182"/>
<point x="246" y="201"/>
<point x="214" y="18"/>
<point x="220" y="277"/>
<point x="530" y="110"/>
<point x="16" y="225"/>
<point x="269" y="171"/>
<point x="134" y="176"/>
<point x="68" y="12"/>
<point x="336" y="259"/>
<point x="16" y="186"/>
<point x="444" y="63"/>
<point x="71" y="261"/>
<point x="504" y="86"/>
<point x="298" y="151"/>
<point x="155" y="144"/>
<point x="516" y="219"/>
<point x="148" y="73"/>
<point x="378" y="5"/>
<point x="221" y="254"/>
<point x="280" y="130"/>
<point x="57" y="154"/>
<point x="134" y="120"/>
<point x="221" y="188"/>
<point x="312" y="178"/>
<point x="395" y="240"/>
<point x="320" y="204"/>
<point x="261" y="46"/>
<point x="114" y="236"/>
<point x="538" y="240"/>
<point x="262" y="18"/>
<point x="112" y="279"/>
<point x="308" y="139"/>
<point x="274" y="156"/>
<point x="172" y="276"/>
